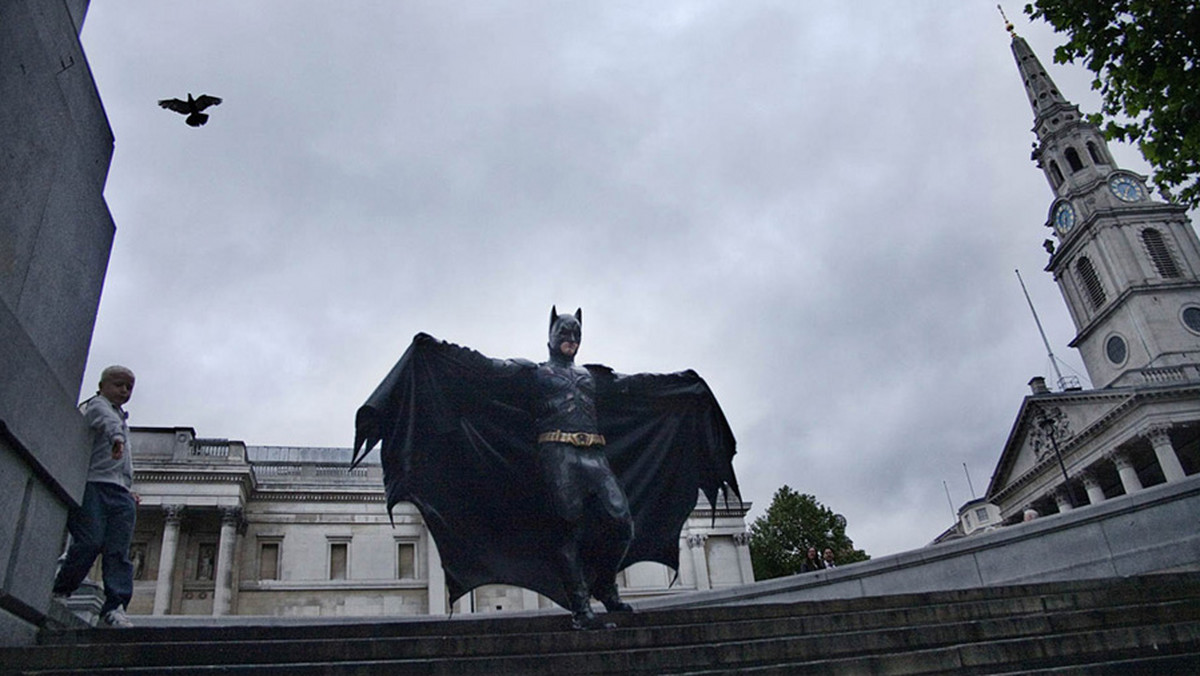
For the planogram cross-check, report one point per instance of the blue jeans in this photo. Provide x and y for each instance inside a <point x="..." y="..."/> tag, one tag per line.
<point x="102" y="525"/>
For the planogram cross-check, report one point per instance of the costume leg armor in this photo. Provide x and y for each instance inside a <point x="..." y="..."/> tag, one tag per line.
<point x="612" y="532"/>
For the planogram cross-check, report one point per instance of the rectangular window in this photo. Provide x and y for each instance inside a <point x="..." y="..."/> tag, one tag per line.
<point x="338" y="559"/>
<point x="981" y="514"/>
<point x="268" y="561"/>
<point x="406" y="561"/>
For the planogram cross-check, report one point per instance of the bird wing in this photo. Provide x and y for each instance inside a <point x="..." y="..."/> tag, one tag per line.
<point x="176" y="105"/>
<point x="205" y="101"/>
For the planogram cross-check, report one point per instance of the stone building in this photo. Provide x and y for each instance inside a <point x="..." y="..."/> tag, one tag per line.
<point x="229" y="529"/>
<point x="1128" y="267"/>
<point x="55" y="238"/>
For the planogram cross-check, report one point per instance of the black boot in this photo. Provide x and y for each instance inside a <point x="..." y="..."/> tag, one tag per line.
<point x="582" y="616"/>
<point x="612" y="600"/>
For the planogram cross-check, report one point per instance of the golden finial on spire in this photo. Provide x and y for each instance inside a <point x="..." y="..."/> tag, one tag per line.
<point x="1007" y="24"/>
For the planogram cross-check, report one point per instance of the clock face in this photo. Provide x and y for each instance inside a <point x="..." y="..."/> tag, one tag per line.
<point x="1064" y="218"/>
<point x="1126" y="188"/>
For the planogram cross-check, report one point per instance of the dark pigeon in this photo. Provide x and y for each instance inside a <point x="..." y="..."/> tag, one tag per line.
<point x="191" y="108"/>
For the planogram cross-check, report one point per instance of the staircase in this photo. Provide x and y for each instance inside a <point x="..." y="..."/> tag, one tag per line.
<point x="1138" y="625"/>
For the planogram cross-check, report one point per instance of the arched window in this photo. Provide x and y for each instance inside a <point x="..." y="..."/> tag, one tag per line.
<point x="1056" y="175"/>
<point x="1164" y="262"/>
<point x="1091" y="282"/>
<point x="1073" y="159"/>
<point x="1095" y="153"/>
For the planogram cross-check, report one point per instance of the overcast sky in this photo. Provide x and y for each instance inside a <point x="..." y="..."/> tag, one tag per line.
<point x="819" y="207"/>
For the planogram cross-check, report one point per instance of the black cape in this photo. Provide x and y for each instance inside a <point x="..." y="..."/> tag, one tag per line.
<point x="458" y="441"/>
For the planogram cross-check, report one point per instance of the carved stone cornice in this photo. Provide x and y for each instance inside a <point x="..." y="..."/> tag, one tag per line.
<point x="191" y="476"/>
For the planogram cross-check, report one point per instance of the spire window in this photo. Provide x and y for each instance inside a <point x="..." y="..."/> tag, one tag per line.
<point x="1164" y="262"/>
<point x="1073" y="159"/>
<point x="1056" y="175"/>
<point x="1091" y="282"/>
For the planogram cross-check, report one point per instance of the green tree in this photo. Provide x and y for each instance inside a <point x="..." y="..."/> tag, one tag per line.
<point x="1146" y="57"/>
<point x="780" y="538"/>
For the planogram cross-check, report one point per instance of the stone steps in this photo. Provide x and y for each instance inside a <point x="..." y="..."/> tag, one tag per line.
<point x="1152" y="620"/>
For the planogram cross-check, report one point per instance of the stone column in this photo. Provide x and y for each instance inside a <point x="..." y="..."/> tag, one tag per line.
<point x="436" y="576"/>
<point x="1127" y="472"/>
<point x="1094" y="492"/>
<point x="223" y="584"/>
<point x="699" y="561"/>
<point x="166" y="559"/>
<point x="742" y="542"/>
<point x="1165" y="452"/>
<point x="1062" y="497"/>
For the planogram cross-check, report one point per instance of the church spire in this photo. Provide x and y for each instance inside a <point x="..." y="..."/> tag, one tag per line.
<point x="1050" y="107"/>
<point x="1128" y="266"/>
<point x="1071" y="151"/>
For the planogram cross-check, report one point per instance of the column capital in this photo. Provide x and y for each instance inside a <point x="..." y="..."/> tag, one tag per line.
<point x="1120" y="458"/>
<point x="1089" y="478"/>
<point x="1157" y="433"/>
<point x="696" y="540"/>
<point x="231" y="515"/>
<point x="741" y="539"/>
<point x="173" y="513"/>
<point x="1159" y="436"/>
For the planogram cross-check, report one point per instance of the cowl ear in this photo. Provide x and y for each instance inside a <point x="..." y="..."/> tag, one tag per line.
<point x="553" y="315"/>
<point x="579" y="315"/>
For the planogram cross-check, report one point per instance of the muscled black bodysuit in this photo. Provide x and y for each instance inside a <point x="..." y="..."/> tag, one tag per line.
<point x="566" y="398"/>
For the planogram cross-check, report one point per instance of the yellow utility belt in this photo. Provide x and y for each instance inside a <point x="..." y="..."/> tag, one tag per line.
<point x="574" y="438"/>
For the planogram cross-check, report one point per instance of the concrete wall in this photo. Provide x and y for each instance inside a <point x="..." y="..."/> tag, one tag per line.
<point x="1150" y="531"/>
<point x="55" y="238"/>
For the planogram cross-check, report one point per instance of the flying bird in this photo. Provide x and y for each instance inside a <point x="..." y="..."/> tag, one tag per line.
<point x="191" y="108"/>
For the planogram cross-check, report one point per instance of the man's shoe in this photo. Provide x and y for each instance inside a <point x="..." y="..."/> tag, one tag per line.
<point x="115" y="618"/>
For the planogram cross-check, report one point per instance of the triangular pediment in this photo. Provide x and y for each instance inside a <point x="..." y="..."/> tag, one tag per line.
<point x="1049" y="419"/>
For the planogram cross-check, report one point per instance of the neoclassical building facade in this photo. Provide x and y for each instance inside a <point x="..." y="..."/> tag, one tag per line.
<point x="229" y="529"/>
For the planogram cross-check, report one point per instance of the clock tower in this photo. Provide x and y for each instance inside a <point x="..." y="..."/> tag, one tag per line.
<point x="1127" y="264"/>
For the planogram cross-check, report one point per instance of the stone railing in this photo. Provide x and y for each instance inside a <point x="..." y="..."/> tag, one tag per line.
<point x="212" y="448"/>
<point x="1163" y="375"/>
<point x="316" y="472"/>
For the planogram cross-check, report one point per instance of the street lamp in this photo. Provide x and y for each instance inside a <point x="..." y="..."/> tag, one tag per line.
<point x="1047" y="425"/>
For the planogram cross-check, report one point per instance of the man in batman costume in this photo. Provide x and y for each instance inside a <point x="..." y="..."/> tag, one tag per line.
<point x="551" y="476"/>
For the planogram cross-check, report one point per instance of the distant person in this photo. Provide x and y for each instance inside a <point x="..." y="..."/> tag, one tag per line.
<point x="103" y="523"/>
<point x="812" y="562"/>
<point x="1030" y="515"/>
<point x="828" y="559"/>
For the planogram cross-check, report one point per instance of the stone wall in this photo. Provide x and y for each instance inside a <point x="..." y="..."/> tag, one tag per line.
<point x="55" y="238"/>
<point x="1150" y="531"/>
